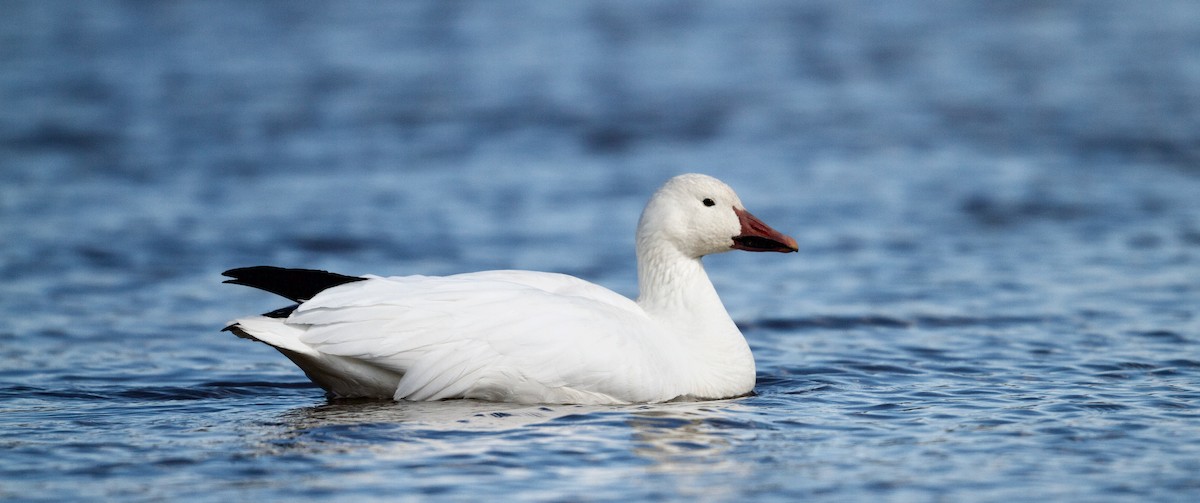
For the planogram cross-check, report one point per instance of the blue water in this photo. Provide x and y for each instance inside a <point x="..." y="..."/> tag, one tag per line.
<point x="997" y="296"/>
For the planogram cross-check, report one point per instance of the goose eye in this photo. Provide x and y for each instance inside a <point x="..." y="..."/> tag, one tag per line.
<point x="709" y="202"/>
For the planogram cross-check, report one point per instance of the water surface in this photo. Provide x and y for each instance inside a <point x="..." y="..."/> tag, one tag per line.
<point x="995" y="299"/>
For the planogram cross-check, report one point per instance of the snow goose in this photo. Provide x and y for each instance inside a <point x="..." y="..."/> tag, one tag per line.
<point x="531" y="337"/>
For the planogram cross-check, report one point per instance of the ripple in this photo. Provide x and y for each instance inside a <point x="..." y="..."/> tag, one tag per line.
<point x="1162" y="335"/>
<point x="823" y="322"/>
<point x="874" y="321"/>
<point x="207" y="391"/>
<point x="876" y="368"/>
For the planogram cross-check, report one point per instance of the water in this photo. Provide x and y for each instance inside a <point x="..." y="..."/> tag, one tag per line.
<point x="995" y="299"/>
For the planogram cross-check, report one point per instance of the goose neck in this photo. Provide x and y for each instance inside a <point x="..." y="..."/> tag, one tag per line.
<point x="672" y="284"/>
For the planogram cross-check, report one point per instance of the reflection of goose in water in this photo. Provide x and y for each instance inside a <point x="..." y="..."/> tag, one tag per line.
<point x="483" y="416"/>
<point x="451" y="415"/>
<point x="532" y="337"/>
<point x="677" y="439"/>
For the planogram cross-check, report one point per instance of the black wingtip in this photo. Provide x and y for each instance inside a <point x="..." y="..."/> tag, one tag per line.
<point x="257" y="270"/>
<point x="282" y="312"/>
<point x="235" y="272"/>
<point x="298" y="285"/>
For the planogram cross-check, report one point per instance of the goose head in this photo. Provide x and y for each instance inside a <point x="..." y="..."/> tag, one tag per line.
<point x="698" y="215"/>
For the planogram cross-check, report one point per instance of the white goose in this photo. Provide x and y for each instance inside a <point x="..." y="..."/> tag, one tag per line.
<point x="531" y="337"/>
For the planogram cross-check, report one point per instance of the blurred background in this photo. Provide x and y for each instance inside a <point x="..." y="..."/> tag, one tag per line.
<point x="1013" y="171"/>
<point x="162" y="139"/>
<point x="211" y="104"/>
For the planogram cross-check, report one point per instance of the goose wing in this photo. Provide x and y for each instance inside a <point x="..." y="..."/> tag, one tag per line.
<point x="497" y="335"/>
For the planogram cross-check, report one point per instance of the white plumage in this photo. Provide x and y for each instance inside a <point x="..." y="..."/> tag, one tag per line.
<point x="535" y="337"/>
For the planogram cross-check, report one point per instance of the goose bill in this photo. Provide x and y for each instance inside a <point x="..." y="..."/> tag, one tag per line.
<point x="757" y="236"/>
